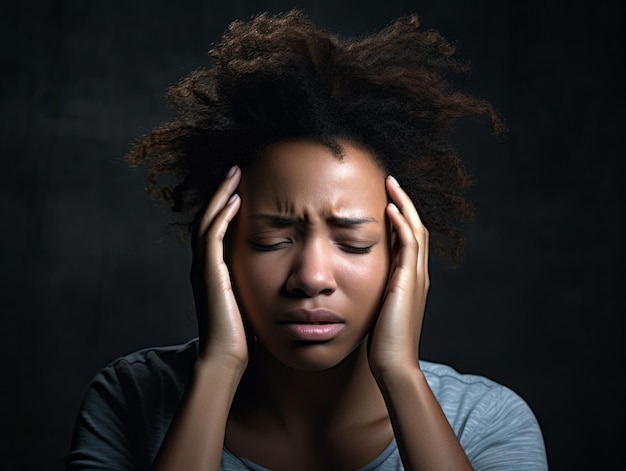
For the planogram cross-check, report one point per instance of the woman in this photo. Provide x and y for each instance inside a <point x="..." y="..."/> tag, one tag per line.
<point x="310" y="269"/>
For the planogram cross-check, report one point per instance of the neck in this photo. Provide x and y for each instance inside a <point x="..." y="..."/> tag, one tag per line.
<point x="333" y="399"/>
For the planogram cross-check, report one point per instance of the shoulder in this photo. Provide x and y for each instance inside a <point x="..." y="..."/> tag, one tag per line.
<point x="496" y="427"/>
<point x="145" y="380"/>
<point x="141" y="374"/>
<point x="460" y="393"/>
<point x="128" y="407"/>
<point x="154" y="362"/>
<point x="445" y="380"/>
<point x="157" y="357"/>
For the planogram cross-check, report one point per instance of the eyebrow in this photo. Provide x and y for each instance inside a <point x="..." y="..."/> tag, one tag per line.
<point x="334" y="220"/>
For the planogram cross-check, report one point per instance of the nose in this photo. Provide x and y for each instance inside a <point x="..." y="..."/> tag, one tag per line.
<point x="312" y="272"/>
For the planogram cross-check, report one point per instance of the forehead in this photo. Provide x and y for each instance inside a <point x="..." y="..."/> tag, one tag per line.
<point x="299" y="176"/>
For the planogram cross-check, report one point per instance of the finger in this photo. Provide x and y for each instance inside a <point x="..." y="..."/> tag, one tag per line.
<point x="220" y="198"/>
<point x="406" y="207"/>
<point x="405" y="239"/>
<point x="408" y="210"/>
<point x="218" y="201"/>
<point x="214" y="237"/>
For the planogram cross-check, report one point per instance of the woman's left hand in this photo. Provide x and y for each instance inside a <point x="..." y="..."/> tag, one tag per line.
<point x="394" y="340"/>
<point x="424" y="436"/>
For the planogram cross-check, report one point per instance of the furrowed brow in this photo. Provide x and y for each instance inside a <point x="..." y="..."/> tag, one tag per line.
<point x="349" y="222"/>
<point x="275" y="219"/>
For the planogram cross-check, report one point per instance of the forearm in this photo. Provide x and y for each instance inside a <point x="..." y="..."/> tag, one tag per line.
<point x="425" y="438"/>
<point x="196" y="437"/>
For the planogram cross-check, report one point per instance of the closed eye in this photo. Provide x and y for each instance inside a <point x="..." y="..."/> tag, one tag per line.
<point x="269" y="247"/>
<point x="356" y="250"/>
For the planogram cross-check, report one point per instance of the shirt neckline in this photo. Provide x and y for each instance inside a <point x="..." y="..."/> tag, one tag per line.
<point x="376" y="462"/>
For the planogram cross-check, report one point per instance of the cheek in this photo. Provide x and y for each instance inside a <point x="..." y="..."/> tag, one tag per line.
<point x="258" y="275"/>
<point x="242" y="278"/>
<point x="380" y="273"/>
<point x="255" y="282"/>
<point x="366" y="282"/>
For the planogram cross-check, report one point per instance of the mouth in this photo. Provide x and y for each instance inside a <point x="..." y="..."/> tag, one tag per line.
<point x="308" y="323"/>
<point x="311" y="331"/>
<point x="319" y="325"/>
<point x="313" y="316"/>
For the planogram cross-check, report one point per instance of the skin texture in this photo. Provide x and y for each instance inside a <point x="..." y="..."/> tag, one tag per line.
<point x="308" y="237"/>
<point x="313" y="230"/>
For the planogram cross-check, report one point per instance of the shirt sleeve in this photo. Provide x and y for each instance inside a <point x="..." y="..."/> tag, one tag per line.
<point x="502" y="433"/>
<point x="101" y="437"/>
<point x="128" y="408"/>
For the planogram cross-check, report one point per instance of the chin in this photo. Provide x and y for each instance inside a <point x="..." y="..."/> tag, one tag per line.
<point x="312" y="357"/>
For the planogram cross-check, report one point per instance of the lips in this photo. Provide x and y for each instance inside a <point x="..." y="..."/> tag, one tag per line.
<point x="318" y="325"/>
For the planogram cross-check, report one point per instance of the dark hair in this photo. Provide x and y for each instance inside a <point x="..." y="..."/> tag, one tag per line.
<point x="276" y="77"/>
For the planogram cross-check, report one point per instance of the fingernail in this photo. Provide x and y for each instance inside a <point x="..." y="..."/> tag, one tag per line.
<point x="393" y="180"/>
<point x="231" y="172"/>
<point x="232" y="199"/>
<point x="394" y="207"/>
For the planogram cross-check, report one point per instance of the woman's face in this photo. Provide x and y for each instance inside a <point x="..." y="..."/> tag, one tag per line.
<point x="310" y="251"/>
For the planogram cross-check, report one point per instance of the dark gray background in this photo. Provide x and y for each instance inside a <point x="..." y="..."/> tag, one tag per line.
<point x="88" y="273"/>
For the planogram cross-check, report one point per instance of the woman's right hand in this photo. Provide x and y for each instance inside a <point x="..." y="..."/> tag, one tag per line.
<point x="220" y="325"/>
<point x="195" y="438"/>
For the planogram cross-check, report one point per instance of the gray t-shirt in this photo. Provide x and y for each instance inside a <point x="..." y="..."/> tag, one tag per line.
<point x="130" y="405"/>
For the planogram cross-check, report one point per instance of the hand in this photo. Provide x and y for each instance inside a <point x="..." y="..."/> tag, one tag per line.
<point x="394" y="341"/>
<point x="220" y="326"/>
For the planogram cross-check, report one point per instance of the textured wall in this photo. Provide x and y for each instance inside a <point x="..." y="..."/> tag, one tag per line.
<point x="88" y="273"/>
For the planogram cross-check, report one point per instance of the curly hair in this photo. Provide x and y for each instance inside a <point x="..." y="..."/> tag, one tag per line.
<point x="278" y="77"/>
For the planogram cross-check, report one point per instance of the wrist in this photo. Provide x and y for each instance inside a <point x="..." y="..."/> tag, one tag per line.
<point x="398" y="375"/>
<point x="230" y="366"/>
